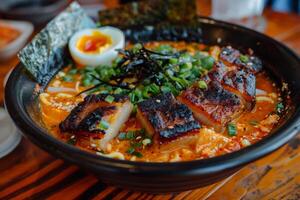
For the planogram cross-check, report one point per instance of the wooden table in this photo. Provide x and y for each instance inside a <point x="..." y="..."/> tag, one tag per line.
<point x="29" y="172"/>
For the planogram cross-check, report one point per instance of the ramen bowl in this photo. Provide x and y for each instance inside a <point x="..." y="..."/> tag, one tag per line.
<point x="284" y="65"/>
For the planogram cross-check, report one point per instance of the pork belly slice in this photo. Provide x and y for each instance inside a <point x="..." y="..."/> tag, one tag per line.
<point x="229" y="55"/>
<point x="165" y="118"/>
<point x="213" y="106"/>
<point x="216" y="73"/>
<point x="242" y="83"/>
<point x="88" y="116"/>
<point x="89" y="104"/>
<point x="254" y="64"/>
<point x="232" y="58"/>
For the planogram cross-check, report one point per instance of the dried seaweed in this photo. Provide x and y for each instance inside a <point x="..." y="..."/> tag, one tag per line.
<point x="149" y="12"/>
<point x="45" y="55"/>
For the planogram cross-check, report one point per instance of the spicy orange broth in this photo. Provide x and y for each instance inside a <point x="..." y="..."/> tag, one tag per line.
<point x="202" y="144"/>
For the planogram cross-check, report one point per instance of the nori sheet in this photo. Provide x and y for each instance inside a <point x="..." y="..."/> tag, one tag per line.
<point x="149" y="12"/>
<point x="46" y="54"/>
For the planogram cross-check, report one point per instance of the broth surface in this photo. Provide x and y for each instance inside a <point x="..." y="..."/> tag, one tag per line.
<point x="251" y="126"/>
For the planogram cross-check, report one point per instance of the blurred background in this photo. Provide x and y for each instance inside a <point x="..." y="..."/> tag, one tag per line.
<point x="20" y="19"/>
<point x="40" y="11"/>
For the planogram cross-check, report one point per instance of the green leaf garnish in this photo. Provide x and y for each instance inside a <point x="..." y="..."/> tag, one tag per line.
<point x="109" y="99"/>
<point x="103" y="125"/>
<point x="244" y="58"/>
<point x="231" y="128"/>
<point x="279" y="108"/>
<point x="202" y="84"/>
<point x="208" y="62"/>
<point x="254" y="122"/>
<point x="122" y="136"/>
<point x="137" y="154"/>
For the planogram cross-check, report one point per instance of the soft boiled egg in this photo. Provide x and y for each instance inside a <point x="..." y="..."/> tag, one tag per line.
<point x="97" y="46"/>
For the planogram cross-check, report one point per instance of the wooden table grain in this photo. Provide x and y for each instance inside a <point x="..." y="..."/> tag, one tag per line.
<point x="31" y="173"/>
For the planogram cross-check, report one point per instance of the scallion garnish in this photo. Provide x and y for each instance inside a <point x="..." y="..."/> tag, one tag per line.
<point x="137" y="154"/>
<point x="244" y="58"/>
<point x="279" y="108"/>
<point x="202" y="84"/>
<point x="109" y="99"/>
<point x="231" y="128"/>
<point x="67" y="78"/>
<point x="130" y="150"/>
<point x="207" y="62"/>
<point x="254" y="122"/>
<point x="130" y="135"/>
<point x="103" y="125"/>
<point x="122" y="136"/>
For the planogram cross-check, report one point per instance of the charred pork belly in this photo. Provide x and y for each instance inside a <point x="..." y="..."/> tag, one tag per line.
<point x="229" y="55"/>
<point x="83" y="109"/>
<point x="252" y="63"/>
<point x="233" y="58"/>
<point x="96" y="115"/>
<point x="217" y="73"/>
<point x="166" y="118"/>
<point x="213" y="106"/>
<point x="242" y="83"/>
<point x="239" y="81"/>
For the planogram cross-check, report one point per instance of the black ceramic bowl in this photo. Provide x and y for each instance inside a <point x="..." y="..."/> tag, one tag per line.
<point x="281" y="62"/>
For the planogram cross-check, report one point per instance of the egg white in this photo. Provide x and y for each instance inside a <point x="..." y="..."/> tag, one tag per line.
<point x="104" y="57"/>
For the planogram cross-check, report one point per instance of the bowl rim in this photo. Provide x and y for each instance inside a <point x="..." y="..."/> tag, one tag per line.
<point x="203" y="166"/>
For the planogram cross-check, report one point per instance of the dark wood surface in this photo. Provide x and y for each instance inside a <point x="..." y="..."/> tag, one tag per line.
<point x="30" y="173"/>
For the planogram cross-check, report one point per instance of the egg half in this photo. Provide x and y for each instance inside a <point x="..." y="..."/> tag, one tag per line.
<point x="97" y="46"/>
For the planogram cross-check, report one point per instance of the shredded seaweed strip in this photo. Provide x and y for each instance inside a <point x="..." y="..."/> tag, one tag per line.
<point x="139" y="64"/>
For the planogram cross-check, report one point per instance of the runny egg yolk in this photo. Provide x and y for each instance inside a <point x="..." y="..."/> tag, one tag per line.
<point x="94" y="43"/>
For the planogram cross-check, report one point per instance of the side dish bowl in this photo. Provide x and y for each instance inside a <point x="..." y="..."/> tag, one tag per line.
<point x="280" y="61"/>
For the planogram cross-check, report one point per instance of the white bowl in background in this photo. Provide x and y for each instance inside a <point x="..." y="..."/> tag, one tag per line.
<point x="25" y="28"/>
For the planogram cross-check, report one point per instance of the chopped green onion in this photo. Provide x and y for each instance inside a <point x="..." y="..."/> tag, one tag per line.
<point x="131" y="150"/>
<point x="136" y="145"/>
<point x="244" y="58"/>
<point x="67" y="78"/>
<point x="109" y="99"/>
<point x="165" y="89"/>
<point x="202" y="84"/>
<point x="173" y="61"/>
<point x="103" y="125"/>
<point x="153" y="88"/>
<point x="254" y="123"/>
<point x="122" y="136"/>
<point x="231" y="128"/>
<point x="118" y="91"/>
<point x="104" y="92"/>
<point x="207" y="62"/>
<point x="137" y="154"/>
<point x="130" y="135"/>
<point x="72" y="71"/>
<point x="86" y="82"/>
<point x="279" y="108"/>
